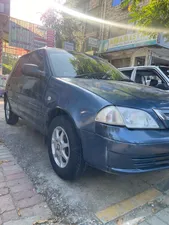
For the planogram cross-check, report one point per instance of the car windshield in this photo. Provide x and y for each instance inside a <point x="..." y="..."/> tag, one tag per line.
<point x="79" y="65"/>
<point x="165" y="70"/>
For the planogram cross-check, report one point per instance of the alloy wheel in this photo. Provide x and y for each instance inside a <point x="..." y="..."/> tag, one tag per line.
<point x="7" y="109"/>
<point x="60" y="147"/>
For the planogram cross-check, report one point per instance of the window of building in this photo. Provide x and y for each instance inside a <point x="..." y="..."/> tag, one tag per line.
<point x="116" y="32"/>
<point x="140" y="61"/>
<point x="83" y="7"/>
<point x="130" y="31"/>
<point x="7" y="9"/>
<point x="2" y="8"/>
<point x="93" y="4"/>
<point x="95" y="12"/>
<point x="92" y="28"/>
<point x="116" y="2"/>
<point x="118" y="63"/>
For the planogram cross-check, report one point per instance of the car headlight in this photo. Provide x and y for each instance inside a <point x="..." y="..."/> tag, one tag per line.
<point x="131" y="118"/>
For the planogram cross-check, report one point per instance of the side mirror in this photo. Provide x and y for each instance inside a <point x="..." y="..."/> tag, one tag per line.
<point x="32" y="70"/>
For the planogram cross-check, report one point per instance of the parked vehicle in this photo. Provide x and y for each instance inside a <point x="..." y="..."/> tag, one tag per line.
<point x="155" y="76"/>
<point x="89" y="113"/>
<point x="3" y="80"/>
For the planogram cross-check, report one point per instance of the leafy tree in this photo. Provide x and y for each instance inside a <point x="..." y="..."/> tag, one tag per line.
<point x="6" y="69"/>
<point x="8" y="63"/>
<point x="155" y="13"/>
<point x="67" y="27"/>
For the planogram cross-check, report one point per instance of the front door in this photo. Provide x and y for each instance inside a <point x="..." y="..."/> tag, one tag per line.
<point x="14" y="86"/>
<point x="149" y="77"/>
<point x="33" y="91"/>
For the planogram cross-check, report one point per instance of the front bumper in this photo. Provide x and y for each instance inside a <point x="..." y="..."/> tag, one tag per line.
<point x="118" y="149"/>
<point x="153" y="157"/>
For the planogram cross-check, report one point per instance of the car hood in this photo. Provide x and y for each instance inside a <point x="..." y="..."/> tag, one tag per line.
<point x="124" y="93"/>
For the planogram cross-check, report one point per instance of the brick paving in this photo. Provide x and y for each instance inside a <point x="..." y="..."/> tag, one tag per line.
<point x="19" y="202"/>
<point x="161" y="218"/>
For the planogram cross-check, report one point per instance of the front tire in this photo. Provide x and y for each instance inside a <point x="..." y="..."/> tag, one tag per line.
<point x="10" y="117"/>
<point x="65" y="151"/>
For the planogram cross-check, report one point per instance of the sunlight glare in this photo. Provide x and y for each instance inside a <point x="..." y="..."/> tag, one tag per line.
<point x="30" y="10"/>
<point x="83" y="16"/>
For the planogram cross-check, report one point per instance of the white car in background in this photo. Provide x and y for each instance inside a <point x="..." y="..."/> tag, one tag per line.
<point x="3" y="81"/>
<point x="154" y="76"/>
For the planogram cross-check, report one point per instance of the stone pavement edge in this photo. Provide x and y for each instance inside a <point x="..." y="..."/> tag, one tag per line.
<point x="19" y="202"/>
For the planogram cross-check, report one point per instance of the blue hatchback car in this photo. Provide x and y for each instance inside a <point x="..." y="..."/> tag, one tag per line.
<point x="90" y="113"/>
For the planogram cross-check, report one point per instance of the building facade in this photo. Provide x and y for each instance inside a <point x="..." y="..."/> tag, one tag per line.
<point x="4" y="25"/>
<point x="121" y="46"/>
<point x="127" y="47"/>
<point x="91" y="30"/>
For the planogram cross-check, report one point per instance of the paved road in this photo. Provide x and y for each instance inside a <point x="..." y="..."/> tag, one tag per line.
<point x="74" y="202"/>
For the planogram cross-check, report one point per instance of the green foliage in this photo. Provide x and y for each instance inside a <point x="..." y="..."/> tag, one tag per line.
<point x="8" y="63"/>
<point x="133" y="3"/>
<point x="6" y="69"/>
<point x="67" y="27"/>
<point x="154" y="14"/>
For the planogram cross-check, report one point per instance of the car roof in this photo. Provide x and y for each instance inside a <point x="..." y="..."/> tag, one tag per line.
<point x="141" y="67"/>
<point x="164" y="66"/>
<point x="133" y="67"/>
<point x="47" y="49"/>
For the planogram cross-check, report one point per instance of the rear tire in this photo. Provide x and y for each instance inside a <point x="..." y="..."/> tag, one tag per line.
<point x="10" y="117"/>
<point x="67" y="162"/>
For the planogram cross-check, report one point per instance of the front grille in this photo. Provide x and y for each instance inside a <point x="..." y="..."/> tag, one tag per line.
<point x="151" y="161"/>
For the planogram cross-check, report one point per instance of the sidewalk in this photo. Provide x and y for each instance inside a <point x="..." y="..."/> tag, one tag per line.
<point x="150" y="207"/>
<point x="19" y="202"/>
<point x="160" y="218"/>
<point x="155" y="212"/>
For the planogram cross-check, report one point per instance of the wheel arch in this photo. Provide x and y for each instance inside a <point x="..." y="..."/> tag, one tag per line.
<point x="61" y="112"/>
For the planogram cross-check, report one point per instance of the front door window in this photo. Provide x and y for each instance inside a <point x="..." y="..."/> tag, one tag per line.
<point x="149" y="77"/>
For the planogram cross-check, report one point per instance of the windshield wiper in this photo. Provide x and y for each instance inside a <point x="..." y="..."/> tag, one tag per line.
<point x="92" y="75"/>
<point x="82" y="75"/>
<point x="99" y="76"/>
